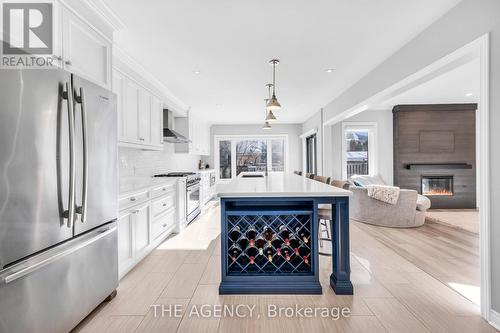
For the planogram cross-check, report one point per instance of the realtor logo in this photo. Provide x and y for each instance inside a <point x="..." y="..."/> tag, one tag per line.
<point x="27" y="28"/>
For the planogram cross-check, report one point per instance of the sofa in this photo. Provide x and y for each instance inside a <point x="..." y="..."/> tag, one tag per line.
<point x="408" y="212"/>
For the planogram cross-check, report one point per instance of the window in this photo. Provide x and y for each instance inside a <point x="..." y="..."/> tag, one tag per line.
<point x="250" y="154"/>
<point x="359" y="144"/>
<point x="278" y="155"/>
<point x="311" y="154"/>
<point x="225" y="159"/>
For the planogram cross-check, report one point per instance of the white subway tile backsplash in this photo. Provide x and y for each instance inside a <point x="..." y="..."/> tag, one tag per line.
<point x="136" y="162"/>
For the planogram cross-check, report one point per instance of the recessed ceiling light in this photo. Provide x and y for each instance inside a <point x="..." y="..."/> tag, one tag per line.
<point x="469" y="94"/>
<point x="329" y="70"/>
<point x="197" y="72"/>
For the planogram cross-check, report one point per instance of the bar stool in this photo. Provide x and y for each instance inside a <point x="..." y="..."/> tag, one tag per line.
<point x="325" y="216"/>
<point x="298" y="173"/>
<point x="309" y="175"/>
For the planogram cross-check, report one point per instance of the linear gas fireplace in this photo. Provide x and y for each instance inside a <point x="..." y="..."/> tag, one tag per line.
<point x="437" y="185"/>
<point x="435" y="152"/>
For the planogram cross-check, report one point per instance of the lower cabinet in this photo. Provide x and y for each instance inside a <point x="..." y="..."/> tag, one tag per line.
<point x="145" y="225"/>
<point x="142" y="230"/>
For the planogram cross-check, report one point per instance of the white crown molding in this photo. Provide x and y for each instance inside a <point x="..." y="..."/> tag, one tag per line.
<point x="172" y="102"/>
<point x="106" y="13"/>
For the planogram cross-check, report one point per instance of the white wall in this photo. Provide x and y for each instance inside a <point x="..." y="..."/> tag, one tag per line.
<point x="135" y="162"/>
<point x="292" y="130"/>
<point x="333" y="138"/>
<point x="466" y="22"/>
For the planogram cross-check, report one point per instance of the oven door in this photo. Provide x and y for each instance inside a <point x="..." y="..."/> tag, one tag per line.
<point x="193" y="201"/>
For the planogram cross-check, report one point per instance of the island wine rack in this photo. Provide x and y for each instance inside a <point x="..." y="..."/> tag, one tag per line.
<point x="268" y="246"/>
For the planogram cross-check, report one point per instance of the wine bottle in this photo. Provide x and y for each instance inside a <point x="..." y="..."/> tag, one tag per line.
<point x="285" y="251"/>
<point x="285" y="234"/>
<point x="251" y="234"/>
<point x="243" y="242"/>
<point x="269" y="252"/>
<point x="268" y="234"/>
<point x="259" y="243"/>
<point x="294" y="243"/>
<point x="252" y="252"/>
<point x="277" y="242"/>
<point x="235" y="251"/>
<point x="304" y="254"/>
<point x="304" y="234"/>
<point x="235" y="233"/>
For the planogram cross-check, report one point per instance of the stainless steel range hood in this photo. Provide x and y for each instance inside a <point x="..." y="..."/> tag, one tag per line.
<point x="169" y="135"/>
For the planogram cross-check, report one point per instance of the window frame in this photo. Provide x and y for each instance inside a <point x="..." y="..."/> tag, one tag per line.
<point x="235" y="138"/>
<point x="372" y="129"/>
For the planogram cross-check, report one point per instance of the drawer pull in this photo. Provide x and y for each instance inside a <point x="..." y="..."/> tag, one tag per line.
<point x="133" y="199"/>
<point x="164" y="205"/>
<point x="164" y="189"/>
<point x="164" y="225"/>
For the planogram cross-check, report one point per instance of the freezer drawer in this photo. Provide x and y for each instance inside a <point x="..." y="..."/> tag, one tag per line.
<point x="55" y="290"/>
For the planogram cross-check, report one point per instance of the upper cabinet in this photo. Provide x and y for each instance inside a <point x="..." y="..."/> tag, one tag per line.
<point x="197" y="131"/>
<point x="83" y="42"/>
<point x="140" y="114"/>
<point x="85" y="51"/>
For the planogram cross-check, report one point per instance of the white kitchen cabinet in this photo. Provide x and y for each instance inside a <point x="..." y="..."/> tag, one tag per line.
<point x="156" y="121"/>
<point x="146" y="218"/>
<point x="140" y="115"/>
<point x="142" y="229"/>
<point x="84" y="51"/>
<point x="118" y="88"/>
<point x="133" y="236"/>
<point x="197" y="131"/>
<point x="131" y="112"/>
<point x="207" y="186"/>
<point x="144" y="113"/>
<point x="125" y="241"/>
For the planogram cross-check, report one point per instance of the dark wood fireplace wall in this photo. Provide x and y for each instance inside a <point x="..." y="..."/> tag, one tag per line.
<point x="437" y="140"/>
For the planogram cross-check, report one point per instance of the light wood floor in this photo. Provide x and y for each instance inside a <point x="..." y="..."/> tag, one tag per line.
<point x="392" y="293"/>
<point x="467" y="219"/>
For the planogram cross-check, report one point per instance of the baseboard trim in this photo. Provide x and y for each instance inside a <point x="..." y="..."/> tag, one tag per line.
<point x="495" y="319"/>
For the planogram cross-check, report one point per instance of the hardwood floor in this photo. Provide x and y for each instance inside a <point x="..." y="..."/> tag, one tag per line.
<point x="449" y="254"/>
<point x="394" y="291"/>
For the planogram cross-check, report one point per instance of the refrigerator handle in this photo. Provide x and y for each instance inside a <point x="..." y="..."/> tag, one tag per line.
<point x="83" y="208"/>
<point x="70" y="213"/>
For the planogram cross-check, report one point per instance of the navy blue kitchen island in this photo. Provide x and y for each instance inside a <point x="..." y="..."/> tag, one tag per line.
<point x="269" y="242"/>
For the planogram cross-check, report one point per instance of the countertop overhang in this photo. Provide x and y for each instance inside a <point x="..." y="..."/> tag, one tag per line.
<point x="278" y="185"/>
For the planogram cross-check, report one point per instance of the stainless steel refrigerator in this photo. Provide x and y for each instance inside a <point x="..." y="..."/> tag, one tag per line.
<point x="58" y="199"/>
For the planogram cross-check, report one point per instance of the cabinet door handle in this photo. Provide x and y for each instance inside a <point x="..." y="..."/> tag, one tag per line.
<point x="164" y="205"/>
<point x="68" y="62"/>
<point x="164" y="225"/>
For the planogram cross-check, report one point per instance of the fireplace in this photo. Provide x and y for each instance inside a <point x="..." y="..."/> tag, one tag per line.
<point x="437" y="185"/>
<point x="435" y="152"/>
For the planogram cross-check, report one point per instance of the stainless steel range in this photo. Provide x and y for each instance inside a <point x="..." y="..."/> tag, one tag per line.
<point x="192" y="192"/>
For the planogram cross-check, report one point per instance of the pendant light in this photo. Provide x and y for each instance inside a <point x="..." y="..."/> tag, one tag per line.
<point x="269" y="115"/>
<point x="273" y="104"/>
<point x="266" y="125"/>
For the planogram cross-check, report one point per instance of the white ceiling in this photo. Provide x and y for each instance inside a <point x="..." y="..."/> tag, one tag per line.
<point x="460" y="85"/>
<point x="230" y="42"/>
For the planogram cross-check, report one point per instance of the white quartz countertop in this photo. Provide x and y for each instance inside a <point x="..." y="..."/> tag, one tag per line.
<point x="130" y="185"/>
<point x="279" y="185"/>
